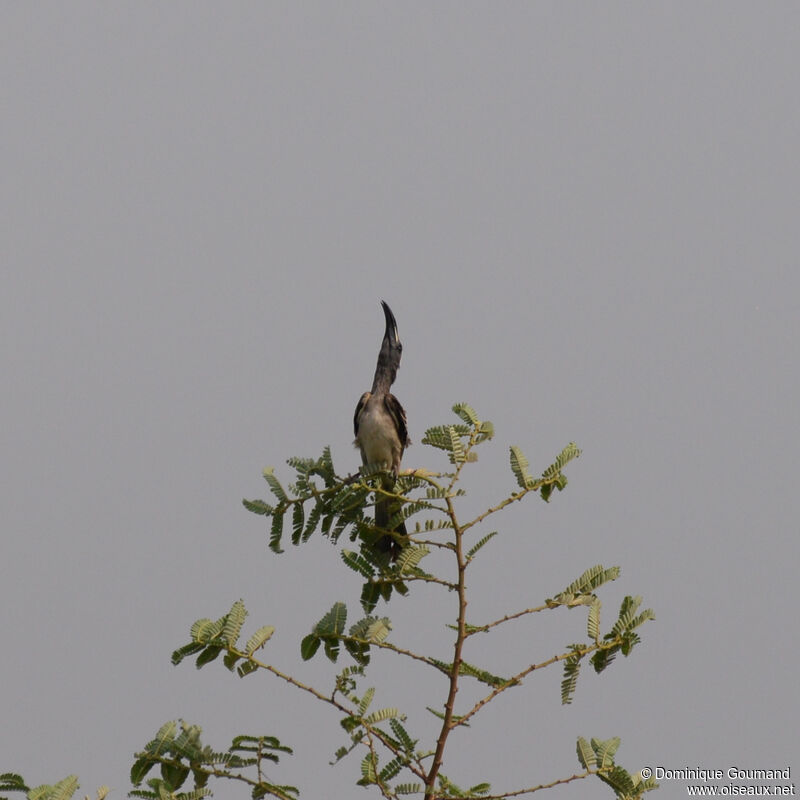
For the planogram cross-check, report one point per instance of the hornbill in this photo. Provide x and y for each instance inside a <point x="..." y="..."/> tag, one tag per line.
<point x="380" y="428"/>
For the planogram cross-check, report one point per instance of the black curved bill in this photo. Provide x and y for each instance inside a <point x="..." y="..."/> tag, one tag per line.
<point x="391" y="324"/>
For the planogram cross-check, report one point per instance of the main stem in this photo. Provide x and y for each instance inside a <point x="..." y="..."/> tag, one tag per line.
<point x="447" y="724"/>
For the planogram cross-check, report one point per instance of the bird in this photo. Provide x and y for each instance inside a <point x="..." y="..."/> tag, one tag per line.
<point x="381" y="428"/>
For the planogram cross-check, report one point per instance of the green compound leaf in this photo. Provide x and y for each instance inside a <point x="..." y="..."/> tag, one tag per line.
<point x="233" y="623"/>
<point x="586" y="754"/>
<point x="63" y="790"/>
<point x="471" y="553"/>
<point x="519" y="466"/>
<point x="467" y="413"/>
<point x="274" y="484"/>
<point x="572" y="666"/>
<point x="259" y="639"/>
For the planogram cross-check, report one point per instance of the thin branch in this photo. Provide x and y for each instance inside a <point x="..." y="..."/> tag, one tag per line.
<point x="517" y="679"/>
<point x="422" y="502"/>
<point x="483" y="628"/>
<point x="430" y="542"/>
<point x="379" y="783"/>
<point x="534" y="487"/>
<point x="259" y="759"/>
<point x="409" y="578"/>
<point x="389" y="646"/>
<point x="330" y="700"/>
<point x="426" y="475"/>
<point x="447" y="723"/>
<point x="579" y="776"/>
<point x="457" y="474"/>
<point x="499" y="507"/>
<point x="382" y="738"/>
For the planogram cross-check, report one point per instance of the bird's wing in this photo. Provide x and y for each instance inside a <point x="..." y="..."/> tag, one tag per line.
<point x="361" y="403"/>
<point x="398" y="415"/>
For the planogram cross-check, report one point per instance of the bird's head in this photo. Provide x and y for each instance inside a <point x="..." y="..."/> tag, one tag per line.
<point x="391" y="351"/>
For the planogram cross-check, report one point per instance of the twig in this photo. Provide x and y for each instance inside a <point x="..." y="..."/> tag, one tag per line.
<point x="560" y="782"/>
<point x="389" y="646"/>
<point x="534" y="487"/>
<point x="506" y="618"/>
<point x="517" y="679"/>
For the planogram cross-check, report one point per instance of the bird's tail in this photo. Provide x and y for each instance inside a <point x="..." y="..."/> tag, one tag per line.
<point x="388" y="544"/>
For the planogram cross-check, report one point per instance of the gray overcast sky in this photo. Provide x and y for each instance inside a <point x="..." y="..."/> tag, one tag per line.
<point x="585" y="217"/>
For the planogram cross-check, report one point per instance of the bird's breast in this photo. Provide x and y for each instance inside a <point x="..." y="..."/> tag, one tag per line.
<point x="377" y="438"/>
